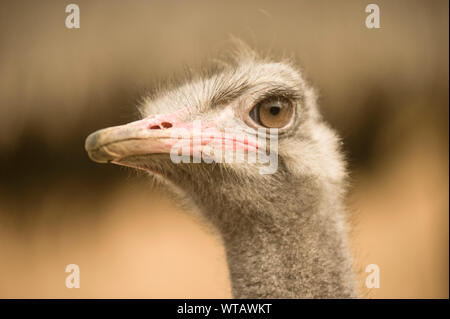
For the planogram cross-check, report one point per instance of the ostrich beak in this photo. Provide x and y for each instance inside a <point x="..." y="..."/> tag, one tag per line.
<point x="160" y="134"/>
<point x="153" y="135"/>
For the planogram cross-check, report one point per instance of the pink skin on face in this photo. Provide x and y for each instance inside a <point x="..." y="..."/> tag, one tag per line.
<point x="194" y="135"/>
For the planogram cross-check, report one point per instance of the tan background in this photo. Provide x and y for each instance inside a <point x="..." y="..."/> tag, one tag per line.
<point x="385" y="91"/>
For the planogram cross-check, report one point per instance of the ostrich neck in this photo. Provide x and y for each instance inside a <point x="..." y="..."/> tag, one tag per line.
<point x="292" y="246"/>
<point x="306" y="260"/>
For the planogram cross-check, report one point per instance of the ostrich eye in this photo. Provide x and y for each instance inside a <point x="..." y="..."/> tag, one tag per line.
<point x="273" y="112"/>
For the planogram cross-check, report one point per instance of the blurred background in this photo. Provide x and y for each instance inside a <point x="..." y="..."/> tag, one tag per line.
<point x="384" y="90"/>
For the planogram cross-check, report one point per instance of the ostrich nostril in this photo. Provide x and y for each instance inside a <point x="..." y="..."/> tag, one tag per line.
<point x="155" y="127"/>
<point x="166" y="124"/>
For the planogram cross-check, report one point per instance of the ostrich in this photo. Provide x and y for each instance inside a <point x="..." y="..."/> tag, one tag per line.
<point x="284" y="232"/>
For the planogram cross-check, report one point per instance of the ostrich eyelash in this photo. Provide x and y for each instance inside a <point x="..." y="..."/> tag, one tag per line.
<point x="279" y="92"/>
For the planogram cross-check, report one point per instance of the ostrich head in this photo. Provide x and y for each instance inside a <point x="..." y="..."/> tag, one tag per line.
<point x="257" y="109"/>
